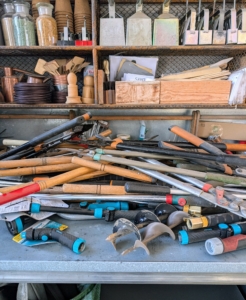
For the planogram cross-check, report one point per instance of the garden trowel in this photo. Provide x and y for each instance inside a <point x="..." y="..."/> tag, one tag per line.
<point x="166" y="28"/>
<point x="138" y="31"/>
<point x="112" y="29"/>
<point x="231" y="25"/>
<point x="241" y="25"/>
<point x="205" y="35"/>
<point x="188" y="32"/>
<point x="219" y="34"/>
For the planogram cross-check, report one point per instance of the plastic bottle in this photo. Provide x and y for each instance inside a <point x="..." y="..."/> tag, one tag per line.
<point x="46" y="25"/>
<point x="24" y="31"/>
<point x="7" y="25"/>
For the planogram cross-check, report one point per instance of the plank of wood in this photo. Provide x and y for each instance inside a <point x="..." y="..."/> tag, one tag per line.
<point x="100" y="81"/>
<point x="192" y="74"/>
<point x="199" y="92"/>
<point x="137" y="92"/>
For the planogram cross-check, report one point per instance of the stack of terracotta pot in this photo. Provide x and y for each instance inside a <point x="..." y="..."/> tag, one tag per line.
<point x="64" y="14"/>
<point x="82" y="12"/>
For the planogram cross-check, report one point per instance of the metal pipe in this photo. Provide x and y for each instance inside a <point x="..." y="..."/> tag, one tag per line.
<point x="94" y="197"/>
<point x="135" y="154"/>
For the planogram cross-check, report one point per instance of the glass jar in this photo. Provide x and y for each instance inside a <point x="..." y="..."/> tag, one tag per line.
<point x="24" y="31"/>
<point x="7" y="25"/>
<point x="46" y="25"/>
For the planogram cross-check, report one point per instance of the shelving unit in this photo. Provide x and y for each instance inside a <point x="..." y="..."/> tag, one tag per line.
<point x="169" y="262"/>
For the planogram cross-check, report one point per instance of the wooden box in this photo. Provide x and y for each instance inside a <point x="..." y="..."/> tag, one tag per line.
<point x="137" y="92"/>
<point x="195" y="92"/>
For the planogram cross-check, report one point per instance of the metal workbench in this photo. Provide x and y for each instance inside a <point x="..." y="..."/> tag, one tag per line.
<point x="169" y="261"/>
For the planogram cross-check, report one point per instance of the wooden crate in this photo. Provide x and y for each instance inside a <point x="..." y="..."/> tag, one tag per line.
<point x="137" y="92"/>
<point x="195" y="92"/>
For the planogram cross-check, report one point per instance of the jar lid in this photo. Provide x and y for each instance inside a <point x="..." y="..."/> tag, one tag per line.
<point x="44" y="8"/>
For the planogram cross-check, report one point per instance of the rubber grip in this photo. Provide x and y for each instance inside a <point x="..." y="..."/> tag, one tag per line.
<point x="130" y="214"/>
<point x="213" y="210"/>
<point x="150" y="189"/>
<point x="194" y="140"/>
<point x="243" y="227"/>
<point x="202" y="235"/>
<point x="66" y="239"/>
<point x="197" y="201"/>
<point x="235" y="242"/>
<point x="226" y="218"/>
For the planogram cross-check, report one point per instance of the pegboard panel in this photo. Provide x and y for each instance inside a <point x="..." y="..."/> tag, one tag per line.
<point x="29" y="63"/>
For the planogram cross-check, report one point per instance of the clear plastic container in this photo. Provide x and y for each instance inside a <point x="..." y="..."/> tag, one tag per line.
<point x="7" y="25"/>
<point x="24" y="31"/>
<point x="46" y="25"/>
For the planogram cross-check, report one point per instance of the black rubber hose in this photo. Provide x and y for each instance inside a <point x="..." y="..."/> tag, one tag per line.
<point x="47" y="135"/>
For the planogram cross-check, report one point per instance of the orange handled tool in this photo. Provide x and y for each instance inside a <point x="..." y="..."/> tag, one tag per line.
<point x="112" y="169"/>
<point x="42" y="185"/>
<point x="199" y="143"/>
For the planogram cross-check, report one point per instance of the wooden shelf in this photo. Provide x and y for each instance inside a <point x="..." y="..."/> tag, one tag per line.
<point x="126" y="106"/>
<point x="44" y="51"/>
<point x="230" y="50"/>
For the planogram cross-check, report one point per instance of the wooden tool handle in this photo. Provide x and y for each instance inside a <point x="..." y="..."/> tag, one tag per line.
<point x="39" y="170"/>
<point x="195" y="140"/>
<point x="93" y="189"/>
<point x="186" y="135"/>
<point x="104" y="133"/>
<point x="91" y="175"/>
<point x="170" y="146"/>
<point x="42" y="185"/>
<point x="112" y="169"/>
<point x="62" y="178"/>
<point x="34" y="162"/>
<point x="236" y="147"/>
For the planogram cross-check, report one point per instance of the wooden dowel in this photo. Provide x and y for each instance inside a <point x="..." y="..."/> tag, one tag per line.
<point x="34" y="162"/>
<point x="38" y="170"/>
<point x="112" y="169"/>
<point x="93" y="189"/>
<point x="91" y="175"/>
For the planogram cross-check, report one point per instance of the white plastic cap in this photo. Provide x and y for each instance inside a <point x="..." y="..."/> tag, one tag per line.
<point x="214" y="246"/>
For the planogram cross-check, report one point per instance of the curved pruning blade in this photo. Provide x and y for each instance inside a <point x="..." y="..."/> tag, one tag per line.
<point x="152" y="231"/>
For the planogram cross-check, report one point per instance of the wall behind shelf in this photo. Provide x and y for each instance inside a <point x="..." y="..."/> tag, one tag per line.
<point x="28" y="128"/>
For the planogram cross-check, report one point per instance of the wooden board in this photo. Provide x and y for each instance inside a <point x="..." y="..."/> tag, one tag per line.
<point x="229" y="131"/>
<point x="195" y="92"/>
<point x="100" y="81"/>
<point x="137" y="92"/>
